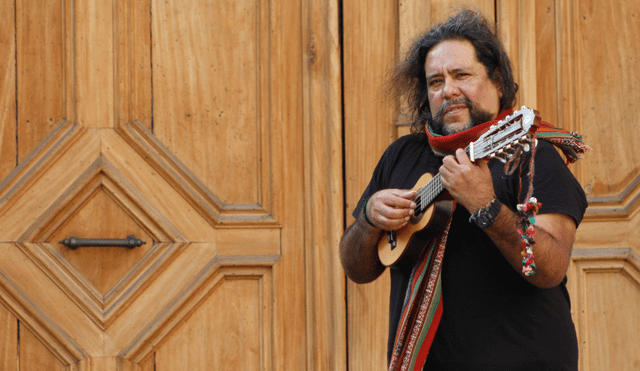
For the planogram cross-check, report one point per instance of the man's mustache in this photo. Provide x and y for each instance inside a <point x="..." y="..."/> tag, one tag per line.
<point x="449" y="103"/>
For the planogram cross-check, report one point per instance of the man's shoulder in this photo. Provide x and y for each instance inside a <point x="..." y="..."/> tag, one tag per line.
<point x="409" y="143"/>
<point x="545" y="145"/>
<point x="549" y="156"/>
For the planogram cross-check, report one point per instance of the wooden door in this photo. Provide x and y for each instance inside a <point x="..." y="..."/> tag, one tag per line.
<point x="191" y="125"/>
<point x="576" y="62"/>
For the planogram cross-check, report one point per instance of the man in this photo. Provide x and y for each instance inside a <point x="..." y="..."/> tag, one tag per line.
<point x="488" y="314"/>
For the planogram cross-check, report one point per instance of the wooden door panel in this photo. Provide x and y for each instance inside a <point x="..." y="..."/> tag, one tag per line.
<point x="40" y="81"/>
<point x="151" y="283"/>
<point x="179" y="123"/>
<point x="8" y="340"/>
<point x="606" y="307"/>
<point x="34" y="355"/>
<point x="92" y="47"/>
<point x="8" y="145"/>
<point x="612" y="70"/>
<point x="133" y="60"/>
<point x="230" y="325"/>
<point x="211" y="93"/>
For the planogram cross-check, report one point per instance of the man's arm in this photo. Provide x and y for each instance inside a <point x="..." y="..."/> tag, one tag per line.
<point x="472" y="187"/>
<point x="389" y="209"/>
<point x="358" y="252"/>
<point x="552" y="250"/>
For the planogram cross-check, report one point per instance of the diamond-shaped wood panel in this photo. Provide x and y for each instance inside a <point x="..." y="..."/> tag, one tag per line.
<point x="102" y="279"/>
<point x="94" y="183"/>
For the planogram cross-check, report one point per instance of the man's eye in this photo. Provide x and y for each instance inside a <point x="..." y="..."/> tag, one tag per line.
<point x="434" y="82"/>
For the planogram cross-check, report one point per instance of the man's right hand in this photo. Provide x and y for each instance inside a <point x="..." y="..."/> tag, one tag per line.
<point x="390" y="209"/>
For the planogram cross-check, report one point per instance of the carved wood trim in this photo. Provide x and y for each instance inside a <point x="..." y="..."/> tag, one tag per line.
<point x="55" y="144"/>
<point x="133" y="98"/>
<point x="102" y="309"/>
<point x="620" y="206"/>
<point x="44" y="328"/>
<point x="209" y="206"/>
<point x="201" y="286"/>
<point x="102" y="175"/>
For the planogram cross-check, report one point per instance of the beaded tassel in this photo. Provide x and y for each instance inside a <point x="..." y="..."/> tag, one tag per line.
<point x="527" y="212"/>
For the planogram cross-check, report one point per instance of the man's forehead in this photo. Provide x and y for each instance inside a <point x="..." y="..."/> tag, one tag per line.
<point x="451" y="55"/>
<point x="453" y="45"/>
<point x="450" y="69"/>
<point x="436" y="70"/>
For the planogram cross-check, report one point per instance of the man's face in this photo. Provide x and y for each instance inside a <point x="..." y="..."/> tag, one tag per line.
<point x="459" y="88"/>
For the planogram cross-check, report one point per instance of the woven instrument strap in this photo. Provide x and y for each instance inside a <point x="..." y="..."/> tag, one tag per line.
<point x="422" y="307"/>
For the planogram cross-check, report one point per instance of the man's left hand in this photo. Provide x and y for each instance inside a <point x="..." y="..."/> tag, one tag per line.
<point x="470" y="184"/>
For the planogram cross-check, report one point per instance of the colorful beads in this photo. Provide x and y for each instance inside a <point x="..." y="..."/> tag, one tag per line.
<point x="525" y="228"/>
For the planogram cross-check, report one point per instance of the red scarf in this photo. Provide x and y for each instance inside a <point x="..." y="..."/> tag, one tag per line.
<point x="570" y="143"/>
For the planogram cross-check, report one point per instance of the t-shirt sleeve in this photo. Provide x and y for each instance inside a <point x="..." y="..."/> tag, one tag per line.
<point x="553" y="184"/>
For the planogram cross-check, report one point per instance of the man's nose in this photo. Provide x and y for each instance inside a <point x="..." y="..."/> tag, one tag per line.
<point x="450" y="88"/>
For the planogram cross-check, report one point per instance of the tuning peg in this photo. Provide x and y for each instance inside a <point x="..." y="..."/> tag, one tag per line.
<point x="527" y="141"/>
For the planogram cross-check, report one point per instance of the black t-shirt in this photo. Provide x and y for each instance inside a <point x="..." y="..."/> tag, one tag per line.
<point x="493" y="319"/>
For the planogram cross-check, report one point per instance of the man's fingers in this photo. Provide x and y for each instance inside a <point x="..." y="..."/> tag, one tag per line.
<point x="392" y="219"/>
<point x="391" y="208"/>
<point x="483" y="163"/>
<point x="394" y="206"/>
<point x="462" y="158"/>
<point x="402" y="199"/>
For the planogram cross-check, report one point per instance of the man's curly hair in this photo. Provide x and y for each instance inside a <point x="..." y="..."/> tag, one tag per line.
<point x="408" y="80"/>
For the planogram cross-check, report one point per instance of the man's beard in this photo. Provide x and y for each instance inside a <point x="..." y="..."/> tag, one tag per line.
<point x="477" y="116"/>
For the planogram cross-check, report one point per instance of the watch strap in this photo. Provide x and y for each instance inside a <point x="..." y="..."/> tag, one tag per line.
<point x="485" y="217"/>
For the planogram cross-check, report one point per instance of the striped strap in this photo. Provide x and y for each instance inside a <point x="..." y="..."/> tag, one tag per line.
<point x="422" y="310"/>
<point x="570" y="143"/>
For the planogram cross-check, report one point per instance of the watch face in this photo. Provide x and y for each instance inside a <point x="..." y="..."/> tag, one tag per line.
<point x="483" y="220"/>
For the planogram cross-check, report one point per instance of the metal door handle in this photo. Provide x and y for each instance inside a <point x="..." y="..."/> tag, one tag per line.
<point x="75" y="242"/>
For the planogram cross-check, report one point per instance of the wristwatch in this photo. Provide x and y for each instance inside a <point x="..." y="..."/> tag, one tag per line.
<point x="487" y="215"/>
